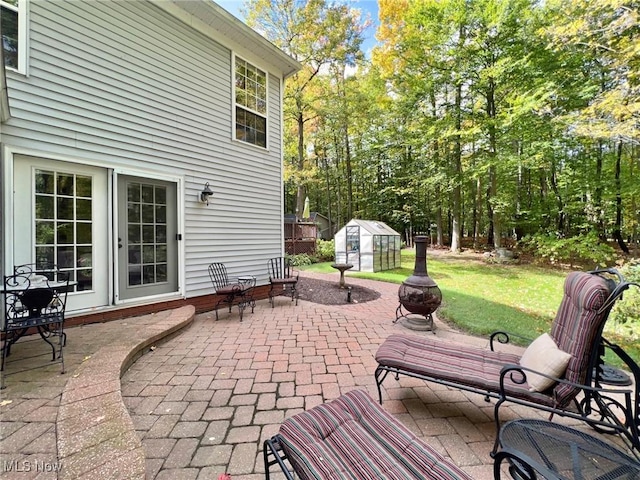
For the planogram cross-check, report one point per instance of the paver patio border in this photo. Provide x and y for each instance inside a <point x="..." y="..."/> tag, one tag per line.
<point x="96" y="437"/>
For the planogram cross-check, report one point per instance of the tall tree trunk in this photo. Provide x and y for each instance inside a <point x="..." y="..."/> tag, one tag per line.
<point x="302" y="189"/>
<point x="560" y="222"/>
<point x="635" y="152"/>
<point x="487" y="199"/>
<point x="349" y="173"/>
<point x="457" y="162"/>
<point x="477" y="213"/>
<point x="493" y="167"/>
<point x="328" y="187"/>
<point x="598" y="194"/>
<point x="618" y="227"/>
<point x="439" y="229"/>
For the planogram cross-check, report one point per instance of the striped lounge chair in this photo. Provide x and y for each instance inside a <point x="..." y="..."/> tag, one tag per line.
<point x="574" y="390"/>
<point x="353" y="438"/>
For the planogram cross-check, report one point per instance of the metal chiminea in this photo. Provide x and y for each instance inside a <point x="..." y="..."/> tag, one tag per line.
<point x="419" y="294"/>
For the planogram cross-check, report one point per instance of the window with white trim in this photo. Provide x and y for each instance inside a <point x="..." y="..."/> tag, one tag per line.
<point x="250" y="90"/>
<point x="13" y="15"/>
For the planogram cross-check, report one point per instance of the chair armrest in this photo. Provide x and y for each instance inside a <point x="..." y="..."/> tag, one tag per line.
<point x="602" y="408"/>
<point x="504" y="338"/>
<point x="518" y="375"/>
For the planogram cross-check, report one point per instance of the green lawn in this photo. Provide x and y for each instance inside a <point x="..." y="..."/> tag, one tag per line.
<point x="481" y="298"/>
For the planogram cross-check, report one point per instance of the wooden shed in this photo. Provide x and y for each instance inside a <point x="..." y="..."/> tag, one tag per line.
<point x="369" y="245"/>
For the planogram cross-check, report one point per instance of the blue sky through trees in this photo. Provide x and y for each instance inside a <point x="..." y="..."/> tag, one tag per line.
<point x="367" y="6"/>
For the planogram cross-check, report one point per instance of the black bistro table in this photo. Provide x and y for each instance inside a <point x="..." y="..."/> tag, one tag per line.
<point x="542" y="449"/>
<point x="33" y="301"/>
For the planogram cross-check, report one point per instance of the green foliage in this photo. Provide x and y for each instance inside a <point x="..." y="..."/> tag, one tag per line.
<point x="325" y="250"/>
<point x="522" y="299"/>
<point x="625" y="316"/>
<point x="584" y="249"/>
<point x="485" y="117"/>
<point x="300" y="259"/>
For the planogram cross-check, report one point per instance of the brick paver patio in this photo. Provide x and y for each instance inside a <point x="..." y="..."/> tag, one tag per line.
<point x="203" y="401"/>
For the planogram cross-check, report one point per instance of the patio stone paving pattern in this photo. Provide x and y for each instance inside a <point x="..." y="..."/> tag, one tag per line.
<point x="200" y="402"/>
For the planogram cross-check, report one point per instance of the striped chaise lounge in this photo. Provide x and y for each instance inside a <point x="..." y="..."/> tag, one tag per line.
<point x="573" y="388"/>
<point x="353" y="438"/>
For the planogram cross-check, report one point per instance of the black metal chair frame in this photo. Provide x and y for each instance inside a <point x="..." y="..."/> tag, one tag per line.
<point x="272" y="448"/>
<point x="598" y="406"/>
<point x="232" y="291"/>
<point x="283" y="279"/>
<point x="29" y="304"/>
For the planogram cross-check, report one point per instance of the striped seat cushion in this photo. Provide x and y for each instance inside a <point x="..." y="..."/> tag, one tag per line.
<point x="575" y="330"/>
<point x="578" y="325"/>
<point x="454" y="362"/>
<point x="352" y="437"/>
<point x="284" y="280"/>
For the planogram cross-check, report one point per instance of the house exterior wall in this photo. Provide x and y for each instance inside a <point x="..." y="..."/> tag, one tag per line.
<point x="126" y="86"/>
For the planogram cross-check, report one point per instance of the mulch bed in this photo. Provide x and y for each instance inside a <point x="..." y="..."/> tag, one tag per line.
<point x="329" y="293"/>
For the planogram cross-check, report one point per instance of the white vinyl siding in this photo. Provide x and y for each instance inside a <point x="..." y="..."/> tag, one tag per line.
<point x="124" y="85"/>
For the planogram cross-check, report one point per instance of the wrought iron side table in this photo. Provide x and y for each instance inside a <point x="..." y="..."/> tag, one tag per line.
<point x="538" y="448"/>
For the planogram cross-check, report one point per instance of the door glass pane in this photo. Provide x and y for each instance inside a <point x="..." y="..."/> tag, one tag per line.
<point x="146" y="227"/>
<point x="44" y="182"/>
<point x="63" y="224"/>
<point x="65" y="208"/>
<point x="83" y="209"/>
<point x="65" y="184"/>
<point x="44" y="206"/>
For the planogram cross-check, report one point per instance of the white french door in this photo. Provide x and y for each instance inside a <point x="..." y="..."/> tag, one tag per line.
<point x="147" y="237"/>
<point x="61" y="216"/>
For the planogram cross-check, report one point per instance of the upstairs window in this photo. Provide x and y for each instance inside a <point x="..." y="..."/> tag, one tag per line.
<point x="13" y="17"/>
<point x="250" y="89"/>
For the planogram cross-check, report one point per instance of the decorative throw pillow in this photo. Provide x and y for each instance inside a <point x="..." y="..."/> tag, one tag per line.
<point x="544" y="356"/>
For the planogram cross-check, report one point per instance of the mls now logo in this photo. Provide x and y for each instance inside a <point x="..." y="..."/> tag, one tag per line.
<point x="29" y="466"/>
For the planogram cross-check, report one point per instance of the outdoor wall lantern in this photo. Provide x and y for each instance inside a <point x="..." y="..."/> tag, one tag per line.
<point x="205" y="194"/>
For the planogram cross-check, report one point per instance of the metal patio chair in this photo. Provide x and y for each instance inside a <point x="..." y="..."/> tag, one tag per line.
<point x="232" y="291"/>
<point x="35" y="299"/>
<point x="576" y="334"/>
<point x="283" y="279"/>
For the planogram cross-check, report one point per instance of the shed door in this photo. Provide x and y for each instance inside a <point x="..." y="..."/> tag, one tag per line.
<point x="147" y="237"/>
<point x="353" y="246"/>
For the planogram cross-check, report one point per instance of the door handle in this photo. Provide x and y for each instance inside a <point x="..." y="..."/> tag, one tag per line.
<point x="119" y="242"/>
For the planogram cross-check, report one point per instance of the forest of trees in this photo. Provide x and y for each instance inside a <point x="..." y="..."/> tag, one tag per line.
<point x="482" y="120"/>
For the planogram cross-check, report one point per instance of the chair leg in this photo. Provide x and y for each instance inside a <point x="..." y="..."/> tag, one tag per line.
<point x="271" y="296"/>
<point x="62" y="341"/>
<point x="5" y="346"/>
<point x="242" y="304"/>
<point x="271" y="447"/>
<point x="380" y="375"/>
<point x="496" y="419"/>
<point x="45" y="332"/>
